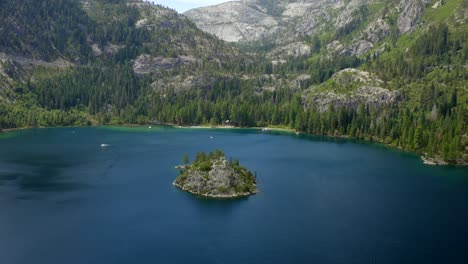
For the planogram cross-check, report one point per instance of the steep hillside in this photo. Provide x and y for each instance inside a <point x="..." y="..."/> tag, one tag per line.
<point x="393" y="71"/>
<point x="53" y="48"/>
<point x="348" y="27"/>
<point x="389" y="71"/>
<point x="76" y="30"/>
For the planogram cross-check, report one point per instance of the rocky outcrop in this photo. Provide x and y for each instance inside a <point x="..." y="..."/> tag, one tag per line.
<point x="349" y="88"/>
<point x="354" y="76"/>
<point x="296" y="49"/>
<point x="348" y="16"/>
<point x="180" y="83"/>
<point x="59" y="63"/>
<point x="214" y="176"/>
<point x="437" y="4"/>
<point x="272" y="82"/>
<point x="233" y="21"/>
<point x="252" y="20"/>
<point x="109" y="49"/>
<point x="374" y="32"/>
<point x="370" y="96"/>
<point x="357" y="48"/>
<point x="147" y="64"/>
<point x="410" y="12"/>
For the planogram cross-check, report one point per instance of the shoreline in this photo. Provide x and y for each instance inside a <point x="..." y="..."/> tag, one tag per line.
<point x="274" y="129"/>
<point x="217" y="196"/>
<point x="429" y="161"/>
<point x="434" y="161"/>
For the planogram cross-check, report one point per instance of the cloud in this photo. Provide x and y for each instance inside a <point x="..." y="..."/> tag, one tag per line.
<point x="184" y="5"/>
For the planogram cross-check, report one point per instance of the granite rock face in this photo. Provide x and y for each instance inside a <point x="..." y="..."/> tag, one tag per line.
<point x="284" y="23"/>
<point x="252" y="20"/>
<point x="350" y="88"/>
<point x="410" y="12"/>
<point x="181" y="83"/>
<point x="369" y="96"/>
<point x="233" y="21"/>
<point x="147" y="64"/>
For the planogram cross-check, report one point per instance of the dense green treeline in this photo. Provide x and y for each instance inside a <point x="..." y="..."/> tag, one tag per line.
<point x="25" y="112"/>
<point x="429" y="132"/>
<point x="96" y="88"/>
<point x="434" y="132"/>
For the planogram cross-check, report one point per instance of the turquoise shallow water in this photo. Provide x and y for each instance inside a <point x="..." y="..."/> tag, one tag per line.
<point x="64" y="199"/>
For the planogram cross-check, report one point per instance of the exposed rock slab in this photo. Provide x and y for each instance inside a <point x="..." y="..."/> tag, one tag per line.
<point x="296" y="49"/>
<point x="180" y="83"/>
<point x="233" y="21"/>
<point x="348" y="89"/>
<point x="252" y="20"/>
<point x="59" y="63"/>
<point x="370" y="96"/>
<point x="147" y="64"/>
<point x="411" y="11"/>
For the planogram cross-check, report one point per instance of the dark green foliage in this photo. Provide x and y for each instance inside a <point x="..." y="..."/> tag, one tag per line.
<point x="186" y="159"/>
<point x="26" y="113"/>
<point x="92" y="87"/>
<point x="248" y="179"/>
<point x="437" y="47"/>
<point x="44" y="29"/>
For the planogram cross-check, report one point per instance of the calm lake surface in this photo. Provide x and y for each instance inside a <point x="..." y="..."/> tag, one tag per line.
<point x="64" y="199"/>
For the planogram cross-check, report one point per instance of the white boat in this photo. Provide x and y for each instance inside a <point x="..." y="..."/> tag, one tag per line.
<point x="104" y="145"/>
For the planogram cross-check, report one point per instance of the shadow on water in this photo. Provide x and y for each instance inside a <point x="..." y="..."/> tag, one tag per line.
<point x="41" y="173"/>
<point x="217" y="206"/>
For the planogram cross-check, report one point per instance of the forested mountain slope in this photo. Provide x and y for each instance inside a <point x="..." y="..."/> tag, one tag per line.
<point x="389" y="71"/>
<point x="393" y="71"/>
<point x="98" y="56"/>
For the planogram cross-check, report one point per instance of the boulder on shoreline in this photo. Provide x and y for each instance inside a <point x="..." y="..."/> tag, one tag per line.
<point x="214" y="176"/>
<point x="433" y="161"/>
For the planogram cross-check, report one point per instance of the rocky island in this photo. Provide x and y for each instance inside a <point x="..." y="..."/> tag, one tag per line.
<point x="214" y="176"/>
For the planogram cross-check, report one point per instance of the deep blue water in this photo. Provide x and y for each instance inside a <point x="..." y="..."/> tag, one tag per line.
<point x="64" y="199"/>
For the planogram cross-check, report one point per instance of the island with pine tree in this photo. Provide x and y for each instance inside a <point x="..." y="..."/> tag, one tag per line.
<point x="212" y="175"/>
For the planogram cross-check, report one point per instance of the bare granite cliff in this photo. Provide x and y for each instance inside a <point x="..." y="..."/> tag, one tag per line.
<point x="252" y="20"/>
<point x="285" y="23"/>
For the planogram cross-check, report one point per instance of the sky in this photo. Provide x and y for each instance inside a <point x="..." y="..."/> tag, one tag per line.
<point x="184" y="5"/>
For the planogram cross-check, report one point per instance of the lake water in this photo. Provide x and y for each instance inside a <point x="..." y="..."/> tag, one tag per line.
<point x="64" y="199"/>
